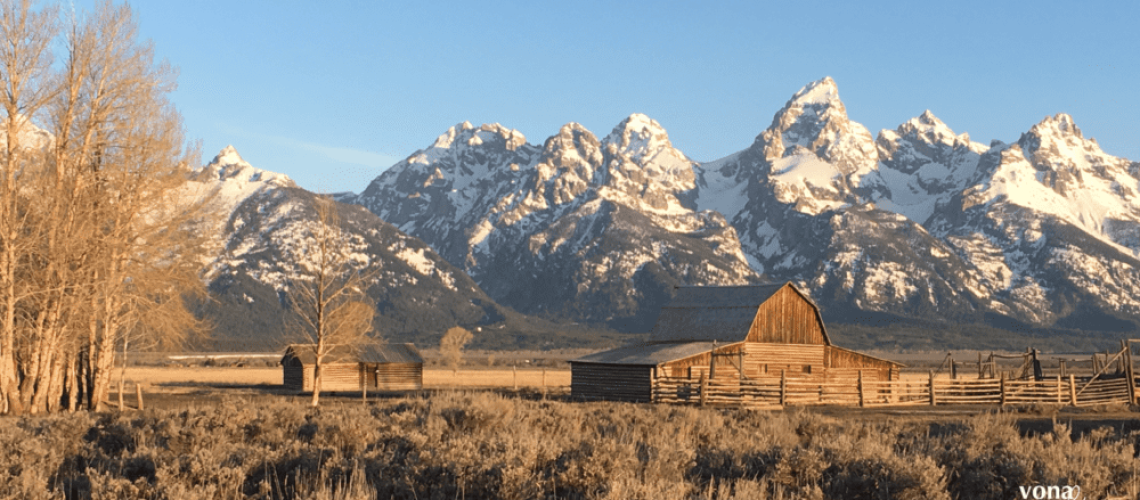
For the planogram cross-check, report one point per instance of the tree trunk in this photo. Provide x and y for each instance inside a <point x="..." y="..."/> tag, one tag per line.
<point x="316" y="383"/>
<point x="72" y="383"/>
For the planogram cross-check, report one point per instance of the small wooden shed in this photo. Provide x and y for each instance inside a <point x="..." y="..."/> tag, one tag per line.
<point x="725" y="333"/>
<point x="375" y="367"/>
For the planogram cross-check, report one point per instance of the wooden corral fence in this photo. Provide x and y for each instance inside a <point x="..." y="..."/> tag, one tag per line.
<point x="769" y="393"/>
<point x="765" y="393"/>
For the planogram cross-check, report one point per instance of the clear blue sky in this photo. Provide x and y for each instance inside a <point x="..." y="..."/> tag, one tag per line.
<point x="333" y="93"/>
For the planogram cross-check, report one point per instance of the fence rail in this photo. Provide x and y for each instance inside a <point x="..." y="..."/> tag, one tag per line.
<point x="775" y="393"/>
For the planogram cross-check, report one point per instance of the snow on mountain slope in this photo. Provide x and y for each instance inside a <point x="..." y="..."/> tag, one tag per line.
<point x="922" y="165"/>
<point x="264" y="224"/>
<point x="1035" y="231"/>
<point x="542" y="229"/>
<point x="816" y="157"/>
<point x="1054" y="170"/>
<point x="920" y="221"/>
<point x="1052" y="224"/>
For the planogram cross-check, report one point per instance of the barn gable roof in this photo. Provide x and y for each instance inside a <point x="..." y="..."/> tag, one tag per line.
<point x="716" y="313"/>
<point x="370" y="353"/>
<point x="648" y="354"/>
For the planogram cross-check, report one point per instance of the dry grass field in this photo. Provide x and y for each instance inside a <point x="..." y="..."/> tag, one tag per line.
<point x="229" y="432"/>
<point x="159" y="378"/>
<point x="481" y="444"/>
<point x="496" y="378"/>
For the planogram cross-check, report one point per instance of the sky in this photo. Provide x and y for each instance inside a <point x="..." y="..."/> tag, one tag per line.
<point x="334" y="93"/>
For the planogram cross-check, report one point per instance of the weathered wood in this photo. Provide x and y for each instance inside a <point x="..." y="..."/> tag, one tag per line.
<point x="862" y="391"/>
<point x="704" y="390"/>
<point x="139" y="396"/>
<point x="1002" y="389"/>
<point x="1072" y="390"/>
<point x="1129" y="374"/>
<point x="1060" y="389"/>
<point x="788" y="318"/>
<point x="354" y="376"/>
<point x="783" y="388"/>
<point x="933" y="400"/>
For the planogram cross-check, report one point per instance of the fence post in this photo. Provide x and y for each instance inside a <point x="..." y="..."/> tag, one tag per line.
<point x="862" y="396"/>
<point x="1127" y="359"/>
<point x="1072" y="390"/>
<point x="1001" y="388"/>
<point x="783" y="387"/>
<point x="704" y="389"/>
<point x="138" y="394"/>
<point x="981" y="374"/>
<point x="932" y="399"/>
<point x="1059" y="390"/>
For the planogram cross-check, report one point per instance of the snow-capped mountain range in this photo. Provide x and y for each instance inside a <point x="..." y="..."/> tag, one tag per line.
<point x="256" y="249"/>
<point x="916" y="222"/>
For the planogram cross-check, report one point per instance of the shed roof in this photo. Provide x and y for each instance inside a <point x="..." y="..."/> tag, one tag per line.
<point x="708" y="313"/>
<point x="648" y="354"/>
<point x="369" y="353"/>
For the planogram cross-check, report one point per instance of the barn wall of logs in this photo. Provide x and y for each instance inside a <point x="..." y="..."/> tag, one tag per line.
<point x="761" y="361"/>
<point x="349" y="376"/>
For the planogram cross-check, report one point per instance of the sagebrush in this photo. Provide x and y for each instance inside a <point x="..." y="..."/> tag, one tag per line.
<point x="481" y="445"/>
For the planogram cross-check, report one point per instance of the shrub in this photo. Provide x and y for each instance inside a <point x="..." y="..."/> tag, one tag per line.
<point x="481" y="445"/>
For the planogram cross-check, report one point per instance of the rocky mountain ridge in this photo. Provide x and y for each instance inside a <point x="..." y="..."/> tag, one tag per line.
<point x="257" y="251"/>
<point x="917" y="222"/>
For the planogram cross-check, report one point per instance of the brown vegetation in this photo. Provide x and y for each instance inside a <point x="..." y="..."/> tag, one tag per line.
<point x="464" y="445"/>
<point x="94" y="248"/>
<point x="452" y="344"/>
<point x="329" y="294"/>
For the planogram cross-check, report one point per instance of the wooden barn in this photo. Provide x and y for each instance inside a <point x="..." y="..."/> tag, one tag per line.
<point x="375" y="367"/>
<point x="726" y="333"/>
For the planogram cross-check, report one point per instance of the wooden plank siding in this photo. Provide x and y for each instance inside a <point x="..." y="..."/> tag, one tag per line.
<point x="838" y="357"/>
<point x="787" y="318"/>
<point x="611" y="382"/>
<point x="336" y="377"/>
<point x="394" y="376"/>
<point x="714" y="333"/>
<point x="766" y="361"/>
<point x="348" y="377"/>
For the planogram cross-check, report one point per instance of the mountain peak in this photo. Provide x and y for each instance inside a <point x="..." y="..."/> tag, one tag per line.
<point x="638" y="136"/>
<point x="931" y="130"/>
<point x="816" y="109"/>
<point x="1059" y="124"/>
<point x="228" y="165"/>
<point x="228" y="156"/>
<point x="468" y="134"/>
<point x="820" y="92"/>
<point x="928" y="118"/>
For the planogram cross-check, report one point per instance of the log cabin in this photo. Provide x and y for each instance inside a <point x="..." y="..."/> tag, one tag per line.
<point x="726" y="333"/>
<point x="372" y="367"/>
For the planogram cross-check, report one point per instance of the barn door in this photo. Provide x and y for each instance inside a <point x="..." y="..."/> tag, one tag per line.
<point x="725" y="360"/>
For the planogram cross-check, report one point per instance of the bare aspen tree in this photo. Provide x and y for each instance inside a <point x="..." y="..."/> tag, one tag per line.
<point x="95" y="236"/>
<point x="25" y="61"/>
<point x="329" y="291"/>
<point x="452" y="344"/>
